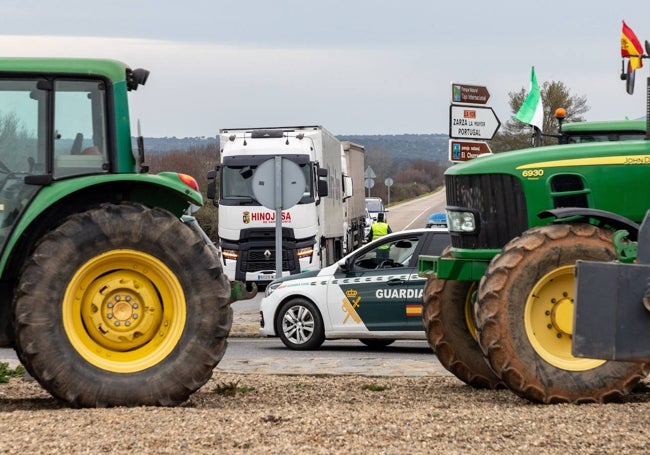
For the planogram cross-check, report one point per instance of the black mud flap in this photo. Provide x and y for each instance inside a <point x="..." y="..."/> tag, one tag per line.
<point x="610" y="320"/>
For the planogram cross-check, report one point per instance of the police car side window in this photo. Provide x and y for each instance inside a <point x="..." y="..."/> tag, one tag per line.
<point x="397" y="253"/>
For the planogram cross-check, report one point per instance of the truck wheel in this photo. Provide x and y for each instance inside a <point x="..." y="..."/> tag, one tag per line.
<point x="300" y="325"/>
<point x="449" y="325"/>
<point x="525" y="318"/>
<point x="122" y="305"/>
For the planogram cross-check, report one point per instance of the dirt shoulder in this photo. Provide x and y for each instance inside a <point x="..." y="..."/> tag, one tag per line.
<point x="325" y="414"/>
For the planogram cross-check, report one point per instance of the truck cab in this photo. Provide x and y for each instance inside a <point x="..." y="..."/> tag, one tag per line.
<point x="247" y="228"/>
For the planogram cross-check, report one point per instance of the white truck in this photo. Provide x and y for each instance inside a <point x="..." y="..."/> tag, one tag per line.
<point x="314" y="232"/>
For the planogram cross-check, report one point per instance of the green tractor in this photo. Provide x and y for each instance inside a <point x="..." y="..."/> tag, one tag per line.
<point x="498" y="304"/>
<point x="109" y="294"/>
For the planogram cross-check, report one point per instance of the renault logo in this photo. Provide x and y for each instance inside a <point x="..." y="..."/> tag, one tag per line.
<point x="267" y="254"/>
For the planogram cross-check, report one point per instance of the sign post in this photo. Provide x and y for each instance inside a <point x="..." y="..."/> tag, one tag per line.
<point x="278" y="184"/>
<point x="470" y="122"/>
<point x="388" y="182"/>
<point x="470" y="94"/>
<point x="467" y="150"/>
<point x="369" y="178"/>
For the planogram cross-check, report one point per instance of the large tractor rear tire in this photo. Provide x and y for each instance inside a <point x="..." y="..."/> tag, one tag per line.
<point x="449" y="325"/>
<point x="122" y="305"/>
<point x="524" y="318"/>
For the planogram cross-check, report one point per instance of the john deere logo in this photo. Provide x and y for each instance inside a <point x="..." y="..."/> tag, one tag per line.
<point x="246" y="217"/>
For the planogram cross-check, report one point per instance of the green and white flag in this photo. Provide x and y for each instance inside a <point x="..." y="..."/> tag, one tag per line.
<point x="532" y="109"/>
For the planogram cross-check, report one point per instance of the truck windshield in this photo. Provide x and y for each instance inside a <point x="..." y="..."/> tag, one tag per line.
<point x="237" y="188"/>
<point x="374" y="205"/>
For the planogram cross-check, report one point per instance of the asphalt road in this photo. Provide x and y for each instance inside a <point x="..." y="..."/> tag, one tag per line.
<point x="414" y="213"/>
<point x="249" y="348"/>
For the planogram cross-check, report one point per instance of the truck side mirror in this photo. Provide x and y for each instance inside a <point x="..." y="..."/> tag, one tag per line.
<point x="212" y="186"/>
<point x="323" y="189"/>
<point x="347" y="187"/>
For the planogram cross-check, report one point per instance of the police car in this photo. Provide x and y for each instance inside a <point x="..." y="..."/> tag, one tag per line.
<point x="373" y="294"/>
<point x="437" y="220"/>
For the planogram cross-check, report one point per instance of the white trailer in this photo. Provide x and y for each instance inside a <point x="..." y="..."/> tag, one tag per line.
<point x="354" y="209"/>
<point x="313" y="231"/>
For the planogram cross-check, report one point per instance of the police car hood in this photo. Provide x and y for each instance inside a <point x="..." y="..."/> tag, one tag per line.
<point x="329" y="270"/>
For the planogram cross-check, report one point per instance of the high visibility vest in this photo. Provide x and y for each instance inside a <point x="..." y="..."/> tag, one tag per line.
<point x="379" y="229"/>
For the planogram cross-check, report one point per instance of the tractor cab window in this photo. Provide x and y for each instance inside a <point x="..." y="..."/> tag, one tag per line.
<point x="79" y="128"/>
<point x="33" y="143"/>
<point x="22" y="147"/>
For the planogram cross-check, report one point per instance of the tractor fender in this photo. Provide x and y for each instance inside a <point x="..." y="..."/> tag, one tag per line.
<point x="601" y="218"/>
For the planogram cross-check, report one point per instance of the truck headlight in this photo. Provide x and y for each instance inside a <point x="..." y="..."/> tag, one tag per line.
<point x="462" y="221"/>
<point x="305" y="252"/>
<point x="230" y="254"/>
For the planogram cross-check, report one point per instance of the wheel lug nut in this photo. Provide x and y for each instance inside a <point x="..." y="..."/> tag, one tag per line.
<point x="109" y="315"/>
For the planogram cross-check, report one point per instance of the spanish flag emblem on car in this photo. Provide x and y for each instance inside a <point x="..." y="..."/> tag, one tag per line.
<point x="414" y="310"/>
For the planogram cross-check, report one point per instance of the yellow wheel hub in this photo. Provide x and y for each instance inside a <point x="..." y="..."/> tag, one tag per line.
<point x="124" y="311"/>
<point x="548" y="319"/>
<point x="470" y="298"/>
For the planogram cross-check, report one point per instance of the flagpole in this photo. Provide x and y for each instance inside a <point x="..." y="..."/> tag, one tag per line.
<point x="537" y="136"/>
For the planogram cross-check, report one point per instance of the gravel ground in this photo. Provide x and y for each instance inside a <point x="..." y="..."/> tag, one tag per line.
<point x="281" y="414"/>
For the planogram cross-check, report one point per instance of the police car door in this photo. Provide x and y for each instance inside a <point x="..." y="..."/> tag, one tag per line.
<point x="378" y="288"/>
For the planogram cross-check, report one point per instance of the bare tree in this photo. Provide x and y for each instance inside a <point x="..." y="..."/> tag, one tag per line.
<point x="555" y="94"/>
<point x="196" y="161"/>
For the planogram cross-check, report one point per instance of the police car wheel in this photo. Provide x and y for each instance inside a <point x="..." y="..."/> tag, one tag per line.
<point x="299" y="325"/>
<point x="376" y="342"/>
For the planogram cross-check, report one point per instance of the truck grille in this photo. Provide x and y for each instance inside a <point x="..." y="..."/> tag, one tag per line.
<point x="255" y="261"/>
<point x="500" y="202"/>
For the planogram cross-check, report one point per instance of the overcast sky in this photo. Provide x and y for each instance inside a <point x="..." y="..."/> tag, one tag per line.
<point x="352" y="66"/>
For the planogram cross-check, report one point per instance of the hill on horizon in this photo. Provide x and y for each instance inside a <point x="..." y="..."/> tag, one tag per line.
<point x="401" y="147"/>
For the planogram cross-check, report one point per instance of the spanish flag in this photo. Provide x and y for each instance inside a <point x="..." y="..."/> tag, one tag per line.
<point x="414" y="310"/>
<point x="631" y="48"/>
